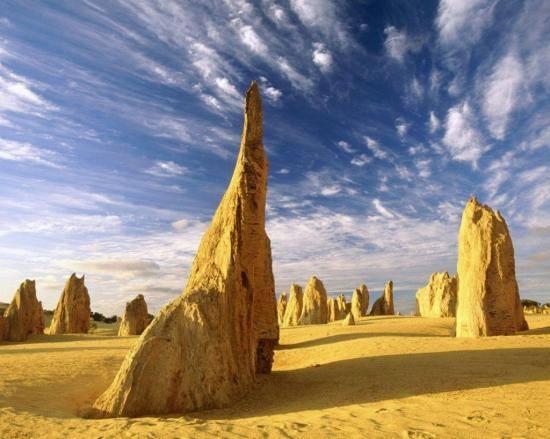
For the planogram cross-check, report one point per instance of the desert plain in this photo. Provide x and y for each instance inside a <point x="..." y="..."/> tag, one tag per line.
<point x="387" y="376"/>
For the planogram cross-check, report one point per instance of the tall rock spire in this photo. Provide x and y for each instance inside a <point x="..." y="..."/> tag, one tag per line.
<point x="201" y="350"/>
<point x="488" y="300"/>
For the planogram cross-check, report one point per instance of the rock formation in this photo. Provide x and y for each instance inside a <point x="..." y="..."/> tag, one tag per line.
<point x="281" y="307"/>
<point x="331" y="309"/>
<point x="384" y="305"/>
<point x="360" y="301"/>
<point x="24" y="316"/>
<point x="72" y="314"/>
<point x="314" y="309"/>
<point x="438" y="298"/>
<point x="135" y="318"/>
<point x="341" y="305"/>
<point x="200" y="350"/>
<point x="357" y="303"/>
<point x="349" y="320"/>
<point x="366" y="299"/>
<point x="294" y="306"/>
<point x="488" y="296"/>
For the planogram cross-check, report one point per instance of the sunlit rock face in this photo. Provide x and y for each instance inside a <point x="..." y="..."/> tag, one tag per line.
<point x="384" y="304"/>
<point x="24" y="316"/>
<point x="488" y="296"/>
<point x="438" y="298"/>
<point x="135" y="318"/>
<point x="201" y="350"/>
<point x="314" y="309"/>
<point x="72" y="314"/>
<point x="294" y="306"/>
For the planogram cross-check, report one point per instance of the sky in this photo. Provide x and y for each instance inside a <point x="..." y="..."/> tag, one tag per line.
<point x="120" y="124"/>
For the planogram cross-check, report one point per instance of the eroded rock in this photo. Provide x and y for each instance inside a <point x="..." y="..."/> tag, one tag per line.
<point x="488" y="296"/>
<point x="24" y="316"/>
<point x="294" y="306"/>
<point x="200" y="351"/>
<point x="72" y="314"/>
<point x="135" y="318"/>
<point x="384" y="305"/>
<point x="438" y="298"/>
<point x="314" y="309"/>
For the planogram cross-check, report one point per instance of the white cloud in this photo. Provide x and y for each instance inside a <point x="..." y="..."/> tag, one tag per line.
<point x="346" y="146"/>
<point x="398" y="43"/>
<point x="227" y="88"/>
<point x="166" y="169"/>
<point x="414" y="150"/>
<point x="402" y="127"/>
<point x="322" y="57"/>
<point x="251" y="39"/>
<point x="17" y="94"/>
<point x="118" y="268"/>
<point x="25" y="152"/>
<point x="462" y="139"/>
<point x="321" y="16"/>
<point x="211" y="101"/>
<point x="416" y="88"/>
<point x="375" y="148"/>
<point x="381" y="209"/>
<point x="434" y="122"/>
<point x="297" y="80"/>
<point x="283" y="171"/>
<point x="269" y="91"/>
<point x="361" y="160"/>
<point x="329" y="191"/>
<point x="424" y="167"/>
<point x="461" y="22"/>
<point x="503" y="93"/>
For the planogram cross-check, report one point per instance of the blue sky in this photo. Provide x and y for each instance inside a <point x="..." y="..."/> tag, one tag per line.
<point x="120" y="123"/>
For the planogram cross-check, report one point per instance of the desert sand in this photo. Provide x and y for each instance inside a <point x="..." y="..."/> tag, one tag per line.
<point x="388" y="376"/>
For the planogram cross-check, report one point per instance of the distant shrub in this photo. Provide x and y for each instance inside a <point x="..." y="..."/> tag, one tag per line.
<point x="111" y="319"/>
<point x="98" y="317"/>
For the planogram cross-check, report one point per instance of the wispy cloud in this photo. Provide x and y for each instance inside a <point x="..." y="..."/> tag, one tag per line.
<point x="27" y="153"/>
<point x="166" y="169"/>
<point x="398" y="43"/>
<point x="461" y="23"/>
<point x="462" y="139"/>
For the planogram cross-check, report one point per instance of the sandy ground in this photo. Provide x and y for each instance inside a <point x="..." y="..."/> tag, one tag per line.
<point x="385" y="377"/>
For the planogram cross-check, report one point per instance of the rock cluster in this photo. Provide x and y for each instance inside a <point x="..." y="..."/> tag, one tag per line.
<point x="72" y="314"/>
<point x="135" y="318"/>
<point x="438" y="298"/>
<point x="294" y="306"/>
<point x="384" y="305"/>
<point x="201" y="350"/>
<point x="488" y="296"/>
<point x="24" y="316"/>
<point x="336" y="308"/>
<point x="281" y="307"/>
<point x="314" y="308"/>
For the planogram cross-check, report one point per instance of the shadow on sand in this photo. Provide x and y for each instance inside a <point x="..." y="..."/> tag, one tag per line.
<point x="388" y="377"/>
<point x="349" y="337"/>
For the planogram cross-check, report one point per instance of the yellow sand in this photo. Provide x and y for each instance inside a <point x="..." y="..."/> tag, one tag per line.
<point x="385" y="377"/>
